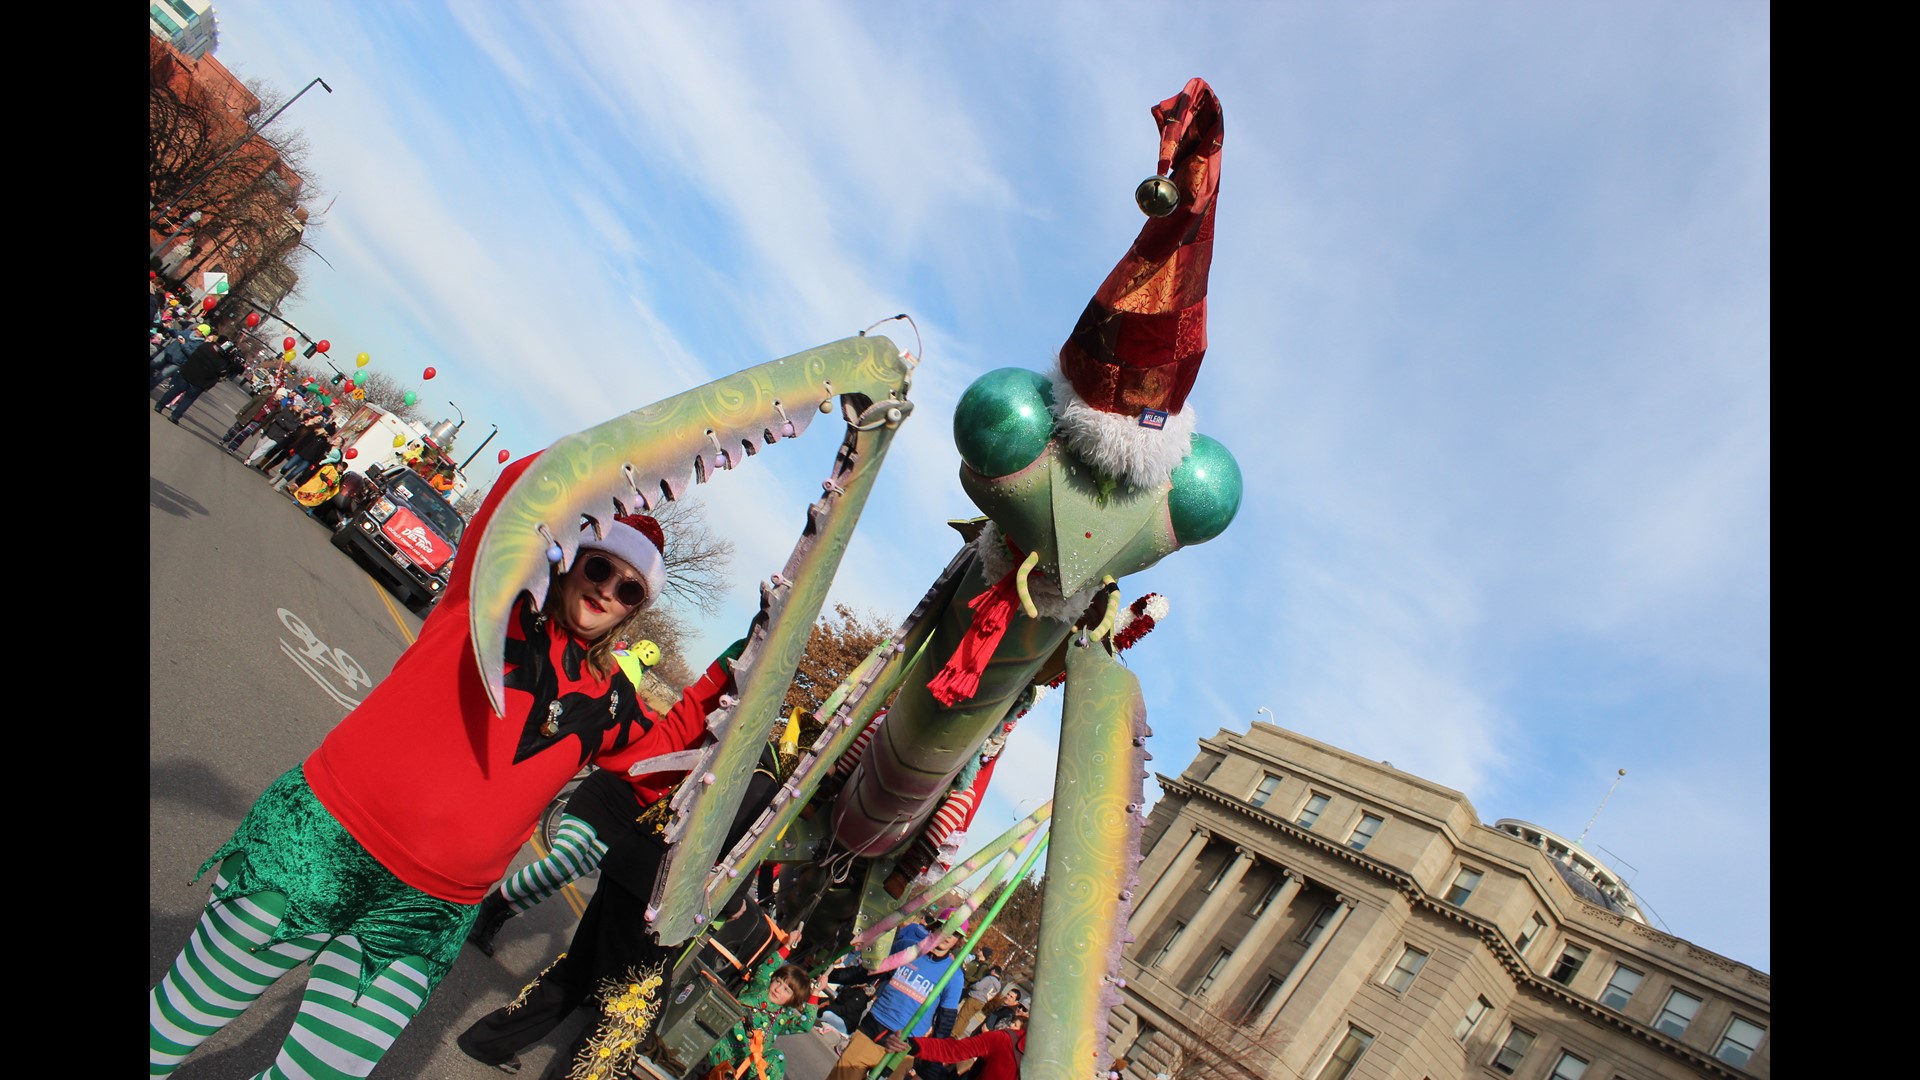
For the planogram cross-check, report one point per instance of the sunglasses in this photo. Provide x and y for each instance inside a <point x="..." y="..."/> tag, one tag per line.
<point x="598" y="569"/>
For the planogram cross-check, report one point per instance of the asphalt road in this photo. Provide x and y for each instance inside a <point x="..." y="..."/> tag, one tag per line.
<point x="263" y="636"/>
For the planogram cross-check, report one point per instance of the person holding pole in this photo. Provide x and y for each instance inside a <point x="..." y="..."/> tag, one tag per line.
<point x="901" y="1002"/>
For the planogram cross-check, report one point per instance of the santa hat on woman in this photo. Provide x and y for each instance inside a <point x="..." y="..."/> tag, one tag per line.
<point x="1119" y="398"/>
<point x="636" y="540"/>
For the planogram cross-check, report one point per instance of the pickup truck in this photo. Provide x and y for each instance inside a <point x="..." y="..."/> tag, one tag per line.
<point x="406" y="532"/>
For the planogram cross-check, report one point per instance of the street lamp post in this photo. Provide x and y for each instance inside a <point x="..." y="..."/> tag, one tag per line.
<point x="191" y="219"/>
<point x="229" y="151"/>
<point x="1264" y="709"/>
<point x="482" y="446"/>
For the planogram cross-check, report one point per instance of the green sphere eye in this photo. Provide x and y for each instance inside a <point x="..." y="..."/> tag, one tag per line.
<point x="1206" y="492"/>
<point x="1004" y="421"/>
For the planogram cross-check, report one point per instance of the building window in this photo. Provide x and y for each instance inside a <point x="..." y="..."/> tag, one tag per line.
<point x="1620" y="988"/>
<point x="1463" y="885"/>
<point x="1531" y="933"/>
<point x="160" y="17"/>
<point x="1677" y="1013"/>
<point x="1310" y="813"/>
<point x="1267" y="898"/>
<point x="1166" y="948"/>
<point x="1512" y="1051"/>
<point x="1264" y="998"/>
<point x="1363" y="832"/>
<point x="1346" y="1055"/>
<point x="1320" y="922"/>
<point x="1218" y="876"/>
<point x="1405" y="969"/>
<point x="1477" y="1009"/>
<point x="1740" y="1041"/>
<point x="186" y="11"/>
<point x="1569" y="1067"/>
<point x="1565" y="968"/>
<point x="1268" y="784"/>
<point x="1213" y="971"/>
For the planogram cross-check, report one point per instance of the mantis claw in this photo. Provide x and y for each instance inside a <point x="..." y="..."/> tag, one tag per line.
<point x="1112" y="616"/>
<point x="1020" y="584"/>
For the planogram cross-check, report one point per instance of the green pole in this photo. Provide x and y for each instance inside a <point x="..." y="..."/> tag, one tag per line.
<point x="966" y="947"/>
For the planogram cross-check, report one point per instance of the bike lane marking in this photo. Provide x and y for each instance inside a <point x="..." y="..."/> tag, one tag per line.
<point x="322" y="662"/>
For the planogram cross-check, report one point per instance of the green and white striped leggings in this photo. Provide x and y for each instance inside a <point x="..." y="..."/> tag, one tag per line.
<point x="228" y="963"/>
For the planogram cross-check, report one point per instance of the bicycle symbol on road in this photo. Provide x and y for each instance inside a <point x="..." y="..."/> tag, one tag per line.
<point x="323" y="663"/>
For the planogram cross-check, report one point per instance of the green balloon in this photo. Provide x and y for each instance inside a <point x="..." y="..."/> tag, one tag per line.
<point x="360" y="378"/>
<point x="1003" y="421"/>
<point x="409" y="397"/>
<point x="1206" y="492"/>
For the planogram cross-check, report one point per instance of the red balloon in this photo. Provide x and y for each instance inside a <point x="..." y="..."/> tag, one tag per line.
<point x="428" y="374"/>
<point x="351" y="453"/>
<point x="253" y="319"/>
<point x="504" y="456"/>
<point x="323" y="345"/>
<point x="209" y="303"/>
<point x="288" y="344"/>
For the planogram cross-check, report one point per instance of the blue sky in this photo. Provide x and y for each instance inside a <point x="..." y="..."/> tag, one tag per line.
<point x="1488" y="334"/>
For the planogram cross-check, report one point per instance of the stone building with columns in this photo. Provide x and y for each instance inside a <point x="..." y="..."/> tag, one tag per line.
<point x="1314" y="914"/>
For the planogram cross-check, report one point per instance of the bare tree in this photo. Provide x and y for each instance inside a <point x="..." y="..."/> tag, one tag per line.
<point x="391" y="394"/>
<point x="251" y="189"/>
<point x="834" y="647"/>
<point x="1015" y="932"/>
<point x="1201" y="1044"/>
<point x="697" y="558"/>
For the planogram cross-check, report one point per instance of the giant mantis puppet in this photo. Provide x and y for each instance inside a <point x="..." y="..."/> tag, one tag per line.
<point x="1082" y="477"/>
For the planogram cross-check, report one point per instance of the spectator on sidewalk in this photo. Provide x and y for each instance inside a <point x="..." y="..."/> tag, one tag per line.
<point x="204" y="367"/>
<point x="276" y="436"/>
<point x="181" y="339"/>
<point x="250" y="417"/>
<point x="307" y="450"/>
<point x="979" y="996"/>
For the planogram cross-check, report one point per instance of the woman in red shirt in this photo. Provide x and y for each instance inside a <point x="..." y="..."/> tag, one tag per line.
<point x="371" y="858"/>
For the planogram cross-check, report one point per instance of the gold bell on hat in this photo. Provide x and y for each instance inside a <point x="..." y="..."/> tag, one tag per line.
<point x="1157" y="197"/>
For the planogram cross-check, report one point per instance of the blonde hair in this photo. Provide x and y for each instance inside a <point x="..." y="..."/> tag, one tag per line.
<point x="600" y="653"/>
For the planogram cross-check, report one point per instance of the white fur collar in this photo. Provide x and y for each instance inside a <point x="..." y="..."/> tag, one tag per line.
<point x="1117" y="445"/>
<point x="996" y="562"/>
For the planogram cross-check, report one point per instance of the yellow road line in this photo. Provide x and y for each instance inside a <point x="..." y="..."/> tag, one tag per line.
<point x="574" y="900"/>
<point x="381" y="591"/>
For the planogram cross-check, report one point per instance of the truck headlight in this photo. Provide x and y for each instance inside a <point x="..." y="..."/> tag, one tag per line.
<point x="381" y="510"/>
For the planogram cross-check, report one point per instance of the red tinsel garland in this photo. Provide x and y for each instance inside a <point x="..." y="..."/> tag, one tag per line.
<point x="1140" y="626"/>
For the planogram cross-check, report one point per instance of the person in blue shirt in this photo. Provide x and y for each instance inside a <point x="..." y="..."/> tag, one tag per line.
<point x="899" y="999"/>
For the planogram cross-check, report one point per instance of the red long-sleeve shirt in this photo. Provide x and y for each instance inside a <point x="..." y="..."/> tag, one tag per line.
<point x="441" y="790"/>
<point x="999" y="1053"/>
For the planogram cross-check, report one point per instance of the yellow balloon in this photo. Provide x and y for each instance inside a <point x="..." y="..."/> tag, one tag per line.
<point x="287" y="356"/>
<point x="399" y="441"/>
<point x="362" y="360"/>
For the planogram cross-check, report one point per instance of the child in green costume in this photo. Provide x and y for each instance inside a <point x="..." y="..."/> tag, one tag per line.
<point x="780" y="1001"/>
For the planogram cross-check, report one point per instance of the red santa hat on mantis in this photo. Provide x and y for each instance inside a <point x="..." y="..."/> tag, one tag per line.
<point x="1119" y="399"/>
<point x="636" y="540"/>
